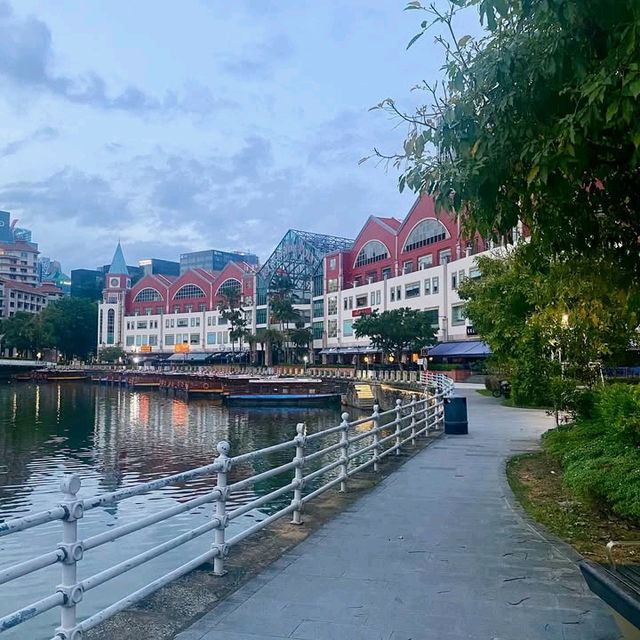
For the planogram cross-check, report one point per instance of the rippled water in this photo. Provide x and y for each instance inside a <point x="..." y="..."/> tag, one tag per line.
<point x="115" y="438"/>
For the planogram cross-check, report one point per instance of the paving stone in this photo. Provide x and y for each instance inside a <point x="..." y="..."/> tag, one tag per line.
<point x="434" y="551"/>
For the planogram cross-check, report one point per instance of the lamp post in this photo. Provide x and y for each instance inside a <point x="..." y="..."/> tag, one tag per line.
<point x="366" y="362"/>
<point x="305" y="359"/>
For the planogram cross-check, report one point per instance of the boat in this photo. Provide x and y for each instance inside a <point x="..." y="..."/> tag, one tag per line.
<point x="280" y="391"/>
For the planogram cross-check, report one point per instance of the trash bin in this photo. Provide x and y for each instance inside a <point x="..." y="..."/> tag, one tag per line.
<point x="455" y="416"/>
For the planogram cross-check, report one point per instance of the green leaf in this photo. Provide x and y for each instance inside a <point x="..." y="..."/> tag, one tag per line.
<point x="634" y="88"/>
<point x="611" y="111"/>
<point x="463" y="41"/>
<point x="418" y="35"/>
<point x="414" y="4"/>
<point x="532" y="175"/>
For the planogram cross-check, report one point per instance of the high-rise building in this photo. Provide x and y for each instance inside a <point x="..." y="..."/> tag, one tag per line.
<point x="151" y="266"/>
<point x="214" y="260"/>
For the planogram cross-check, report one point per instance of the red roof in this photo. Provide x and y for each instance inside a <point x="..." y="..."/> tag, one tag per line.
<point x="43" y="290"/>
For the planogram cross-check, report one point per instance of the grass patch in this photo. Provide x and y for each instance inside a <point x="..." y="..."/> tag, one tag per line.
<point x="536" y="481"/>
<point x="484" y="392"/>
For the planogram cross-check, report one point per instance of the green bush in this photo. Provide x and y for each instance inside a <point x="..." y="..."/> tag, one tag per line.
<point x="600" y="452"/>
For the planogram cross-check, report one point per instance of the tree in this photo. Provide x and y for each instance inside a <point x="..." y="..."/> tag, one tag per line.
<point x="112" y="354"/>
<point x="396" y="331"/>
<point x="537" y="120"/>
<point x="72" y="323"/>
<point x="546" y="318"/>
<point x="25" y="332"/>
<point x="269" y="338"/>
<point x="300" y="337"/>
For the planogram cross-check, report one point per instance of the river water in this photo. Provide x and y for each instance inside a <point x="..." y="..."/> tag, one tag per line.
<point x="114" y="438"/>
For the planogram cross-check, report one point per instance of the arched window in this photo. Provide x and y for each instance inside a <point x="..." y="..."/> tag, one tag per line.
<point x="373" y="251"/>
<point x="189" y="291"/>
<point x="425" y="232"/>
<point x="231" y="289"/>
<point x="147" y="294"/>
<point x="111" y="326"/>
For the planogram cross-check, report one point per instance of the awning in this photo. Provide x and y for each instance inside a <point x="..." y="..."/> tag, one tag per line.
<point x="461" y="349"/>
<point x="188" y="357"/>
<point x="348" y="350"/>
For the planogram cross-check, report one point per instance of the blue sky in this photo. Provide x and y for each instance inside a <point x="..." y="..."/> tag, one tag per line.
<point x="178" y="126"/>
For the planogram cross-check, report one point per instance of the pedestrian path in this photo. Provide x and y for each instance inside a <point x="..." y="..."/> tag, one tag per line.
<point x="436" y="551"/>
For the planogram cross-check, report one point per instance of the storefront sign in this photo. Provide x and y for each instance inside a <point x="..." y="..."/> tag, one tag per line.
<point x="361" y="312"/>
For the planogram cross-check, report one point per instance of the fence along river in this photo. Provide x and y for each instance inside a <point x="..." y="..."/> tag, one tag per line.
<point x="59" y="568"/>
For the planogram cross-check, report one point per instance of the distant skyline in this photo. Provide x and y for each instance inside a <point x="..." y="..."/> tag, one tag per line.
<point x="176" y="127"/>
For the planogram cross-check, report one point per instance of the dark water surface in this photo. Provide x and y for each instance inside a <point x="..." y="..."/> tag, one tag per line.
<point x="114" y="438"/>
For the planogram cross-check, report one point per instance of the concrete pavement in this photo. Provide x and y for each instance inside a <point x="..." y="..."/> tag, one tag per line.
<point x="436" y="551"/>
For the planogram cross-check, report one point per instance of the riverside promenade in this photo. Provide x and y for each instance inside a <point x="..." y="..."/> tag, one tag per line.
<point x="437" y="551"/>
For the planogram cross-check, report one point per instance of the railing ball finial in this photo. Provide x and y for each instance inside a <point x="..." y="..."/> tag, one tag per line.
<point x="70" y="483"/>
<point x="345" y="417"/>
<point x="301" y="429"/>
<point x="223" y="448"/>
<point x="398" y="403"/>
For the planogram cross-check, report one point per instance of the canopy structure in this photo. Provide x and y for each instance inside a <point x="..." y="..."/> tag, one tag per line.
<point x="188" y="357"/>
<point x="298" y="256"/>
<point x="461" y="349"/>
<point x="348" y="350"/>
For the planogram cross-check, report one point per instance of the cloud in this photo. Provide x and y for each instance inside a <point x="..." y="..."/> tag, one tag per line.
<point x="39" y="135"/>
<point x="26" y="60"/>
<point x="262" y="60"/>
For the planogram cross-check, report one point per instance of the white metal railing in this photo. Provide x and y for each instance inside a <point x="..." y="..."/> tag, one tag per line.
<point x="321" y="460"/>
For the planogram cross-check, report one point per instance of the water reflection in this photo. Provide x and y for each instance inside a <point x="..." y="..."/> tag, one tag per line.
<point x="115" y="438"/>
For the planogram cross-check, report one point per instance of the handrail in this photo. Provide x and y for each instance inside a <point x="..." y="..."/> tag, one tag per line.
<point x="322" y="460"/>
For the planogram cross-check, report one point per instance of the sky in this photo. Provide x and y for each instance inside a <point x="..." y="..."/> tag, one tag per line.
<point x="180" y="126"/>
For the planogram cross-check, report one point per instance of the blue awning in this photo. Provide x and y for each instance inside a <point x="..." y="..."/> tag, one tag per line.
<point x="461" y="349"/>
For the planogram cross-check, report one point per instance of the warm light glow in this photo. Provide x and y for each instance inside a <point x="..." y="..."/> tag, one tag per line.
<point x="305" y="359"/>
<point x="391" y="358"/>
<point x="565" y="319"/>
<point x="136" y="360"/>
<point x="366" y="359"/>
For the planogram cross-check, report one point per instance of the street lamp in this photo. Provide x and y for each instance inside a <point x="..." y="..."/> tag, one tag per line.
<point x="305" y="359"/>
<point x="366" y="361"/>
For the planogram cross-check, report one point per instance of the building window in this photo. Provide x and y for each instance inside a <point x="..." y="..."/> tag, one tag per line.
<point x="159" y="311"/>
<point x="138" y="340"/>
<point x="261" y="316"/>
<point x="194" y="338"/>
<point x="153" y="341"/>
<point x="141" y="324"/>
<point x="318" y="308"/>
<point x="454" y="280"/>
<point x="211" y="337"/>
<point x="427" y="286"/>
<point x="332" y="328"/>
<point x="182" y="322"/>
<point x="148" y="294"/>
<point x="432" y="317"/>
<point x="372" y="277"/>
<point x="461" y="276"/>
<point x="176" y="308"/>
<point x="188" y="308"/>
<point x="189" y="291"/>
<point x="332" y="285"/>
<point x="202" y="307"/>
<point x="332" y="306"/>
<point x="111" y="326"/>
<point x="195" y="322"/>
<point x="210" y="321"/>
<point x="231" y="291"/>
<point x="398" y="292"/>
<point x="332" y="263"/>
<point x="424" y="262"/>
<point x="129" y="341"/>
<point x="474" y="273"/>
<point x="373" y="299"/>
<point x="435" y="284"/>
<point x="318" y="330"/>
<point x="346" y="304"/>
<point x="408" y="266"/>
<point x="425" y="232"/>
<point x="445" y="256"/>
<point x="361" y="301"/>
<point x="347" y="328"/>
<point x="378" y="297"/>
<point x="412" y="290"/>
<point x="392" y="292"/>
<point x="169" y="339"/>
<point x="222" y="320"/>
<point x="386" y="273"/>
<point x="457" y="315"/>
<point x="372" y="251"/>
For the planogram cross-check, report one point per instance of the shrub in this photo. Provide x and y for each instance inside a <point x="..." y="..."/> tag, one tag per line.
<point x="600" y="452"/>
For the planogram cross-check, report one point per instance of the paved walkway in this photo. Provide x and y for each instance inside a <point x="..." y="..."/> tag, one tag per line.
<point x="436" y="551"/>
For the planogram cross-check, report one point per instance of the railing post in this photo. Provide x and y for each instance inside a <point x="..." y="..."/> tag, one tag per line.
<point x="413" y="419"/>
<point x="221" y="508"/>
<point x="398" y="423"/>
<point x="344" y="451"/>
<point x="300" y="439"/>
<point x="73" y="551"/>
<point x="375" y="417"/>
